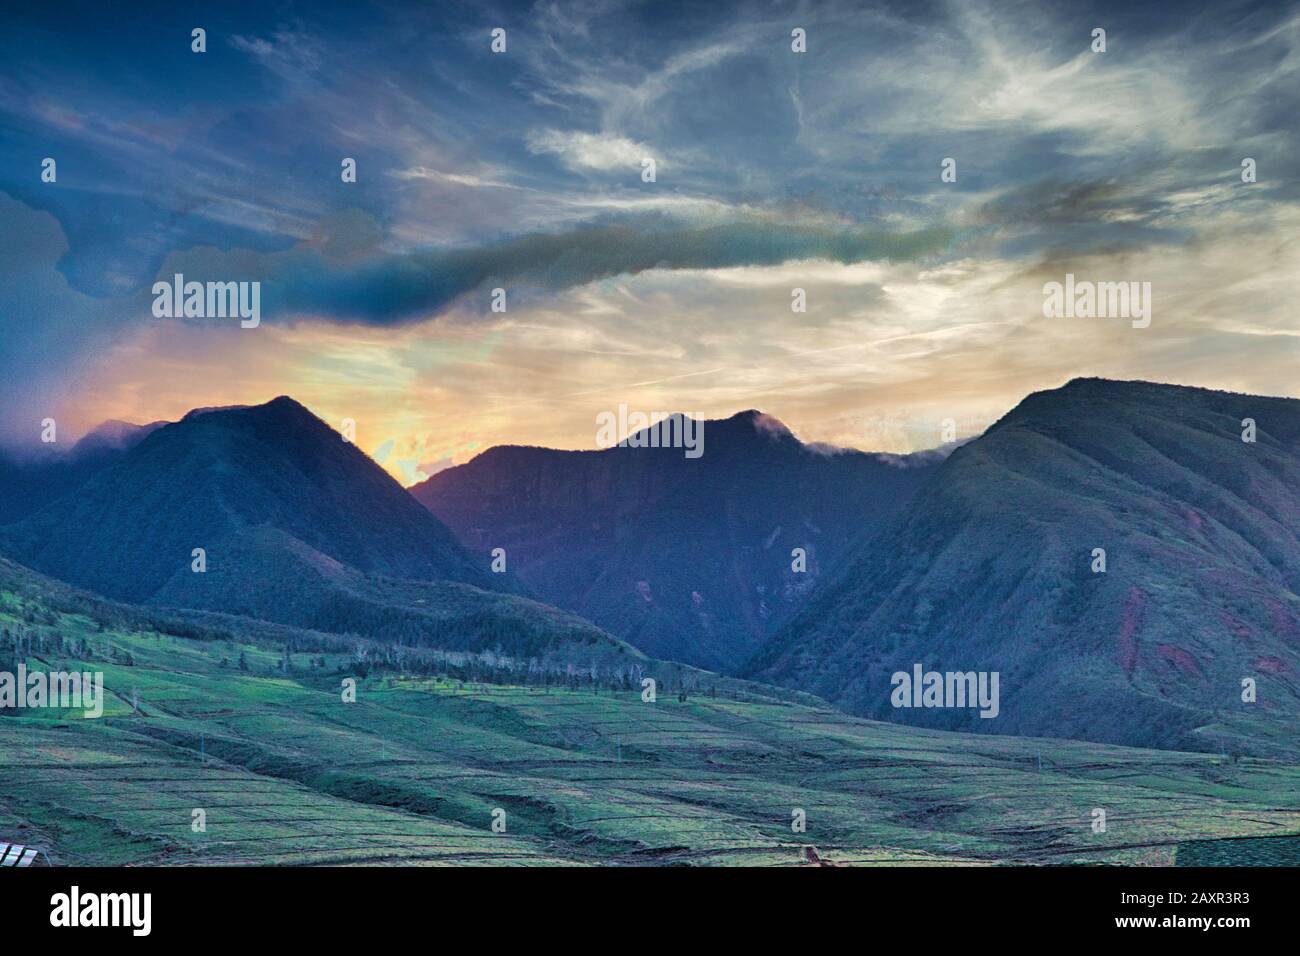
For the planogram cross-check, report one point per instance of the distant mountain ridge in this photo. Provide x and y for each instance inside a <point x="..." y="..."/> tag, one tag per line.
<point x="115" y="435"/>
<point x="29" y="483"/>
<point x="686" y="558"/>
<point x="990" y="567"/>
<point x="298" y="528"/>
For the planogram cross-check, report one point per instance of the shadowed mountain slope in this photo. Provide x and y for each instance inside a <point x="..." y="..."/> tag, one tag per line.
<point x="30" y="483"/>
<point x="991" y="569"/>
<point x="686" y="558"/>
<point x="298" y="527"/>
<point x="212" y="477"/>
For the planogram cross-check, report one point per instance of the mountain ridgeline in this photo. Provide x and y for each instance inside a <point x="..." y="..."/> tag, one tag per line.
<point x="994" y="567"/>
<point x="1125" y="562"/>
<point x="297" y="526"/>
<point x="689" y="559"/>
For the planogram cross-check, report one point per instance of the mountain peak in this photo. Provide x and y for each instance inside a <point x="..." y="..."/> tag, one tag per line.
<point x="1132" y="386"/>
<point x="1138" y="396"/>
<point x="689" y="559"/>
<point x="751" y="420"/>
<point x="284" y="401"/>
<point x="760" y="420"/>
<point x="286" y="408"/>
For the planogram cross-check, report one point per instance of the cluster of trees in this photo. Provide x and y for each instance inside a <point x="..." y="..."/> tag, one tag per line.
<point x="309" y="652"/>
<point x="469" y="647"/>
<point x="18" y="643"/>
<point x="469" y="628"/>
<point x="548" y="672"/>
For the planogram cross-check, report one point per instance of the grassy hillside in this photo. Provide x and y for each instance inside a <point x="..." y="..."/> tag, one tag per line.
<point x="289" y="774"/>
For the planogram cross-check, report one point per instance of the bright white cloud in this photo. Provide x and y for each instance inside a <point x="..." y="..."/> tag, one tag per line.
<point x="590" y="150"/>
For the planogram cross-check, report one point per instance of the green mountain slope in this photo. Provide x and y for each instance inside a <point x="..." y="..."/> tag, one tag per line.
<point x="990" y="569"/>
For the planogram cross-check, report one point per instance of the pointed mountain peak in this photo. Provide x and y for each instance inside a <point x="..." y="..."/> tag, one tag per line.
<point x="739" y="430"/>
<point x="288" y="409"/>
<point x="751" y="425"/>
<point x="284" y="401"/>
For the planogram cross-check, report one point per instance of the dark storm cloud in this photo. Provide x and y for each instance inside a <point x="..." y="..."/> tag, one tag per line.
<point x="391" y="289"/>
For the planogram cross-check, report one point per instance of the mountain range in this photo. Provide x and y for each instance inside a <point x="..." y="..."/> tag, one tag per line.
<point x="296" y="526"/>
<point x="1124" y="561"/>
<point x="690" y="559"/>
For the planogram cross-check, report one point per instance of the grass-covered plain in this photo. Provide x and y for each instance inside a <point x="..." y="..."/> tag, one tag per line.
<point x="287" y="773"/>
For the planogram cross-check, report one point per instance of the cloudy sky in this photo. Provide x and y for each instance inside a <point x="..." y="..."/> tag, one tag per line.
<point x="522" y="170"/>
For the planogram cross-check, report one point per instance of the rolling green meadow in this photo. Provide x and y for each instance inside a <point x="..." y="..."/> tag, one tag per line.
<point x="288" y="774"/>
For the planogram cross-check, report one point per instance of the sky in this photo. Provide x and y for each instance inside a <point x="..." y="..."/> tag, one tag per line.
<point x="522" y="170"/>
